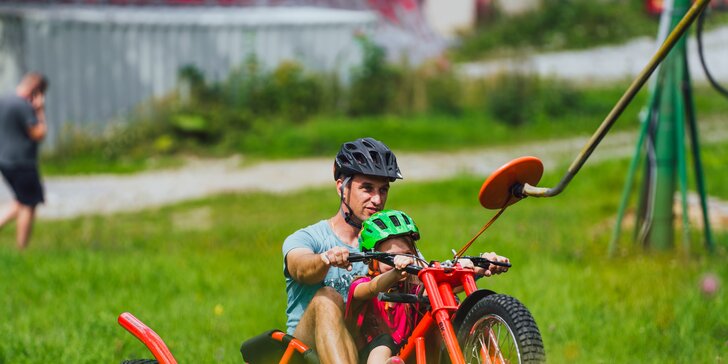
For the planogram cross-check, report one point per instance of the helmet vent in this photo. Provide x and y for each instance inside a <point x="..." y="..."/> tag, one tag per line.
<point x="360" y="158"/>
<point x="376" y="159"/>
<point x="406" y="220"/>
<point x="380" y="223"/>
<point x="343" y="161"/>
<point x="395" y="220"/>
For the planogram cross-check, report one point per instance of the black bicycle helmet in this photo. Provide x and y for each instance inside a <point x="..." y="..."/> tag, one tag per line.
<point x="366" y="156"/>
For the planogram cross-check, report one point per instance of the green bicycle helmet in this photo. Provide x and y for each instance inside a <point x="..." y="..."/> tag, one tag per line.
<point x="386" y="224"/>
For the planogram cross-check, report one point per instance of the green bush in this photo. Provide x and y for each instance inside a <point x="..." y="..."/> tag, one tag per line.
<point x="520" y="98"/>
<point x="514" y="99"/>
<point x="296" y="95"/>
<point x="374" y="84"/>
<point x="444" y="89"/>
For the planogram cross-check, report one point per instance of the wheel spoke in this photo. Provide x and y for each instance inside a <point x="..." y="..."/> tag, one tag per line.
<point x="483" y="348"/>
<point x="494" y="349"/>
<point x="490" y="342"/>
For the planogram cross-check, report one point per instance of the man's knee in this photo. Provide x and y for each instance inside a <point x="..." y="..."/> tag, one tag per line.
<point x="324" y="312"/>
<point x="329" y="299"/>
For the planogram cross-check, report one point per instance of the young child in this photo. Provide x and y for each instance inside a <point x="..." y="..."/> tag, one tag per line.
<point x="379" y="328"/>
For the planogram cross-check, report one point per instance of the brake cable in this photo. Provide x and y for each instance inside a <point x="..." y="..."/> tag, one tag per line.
<point x="699" y="35"/>
<point x="482" y="230"/>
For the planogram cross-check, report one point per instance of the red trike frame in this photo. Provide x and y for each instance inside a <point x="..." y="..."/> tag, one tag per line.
<point x="439" y="282"/>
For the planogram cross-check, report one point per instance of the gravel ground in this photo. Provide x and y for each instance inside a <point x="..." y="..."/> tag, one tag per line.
<point x="68" y="197"/>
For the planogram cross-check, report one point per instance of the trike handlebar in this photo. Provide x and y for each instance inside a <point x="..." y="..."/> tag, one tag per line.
<point x="388" y="258"/>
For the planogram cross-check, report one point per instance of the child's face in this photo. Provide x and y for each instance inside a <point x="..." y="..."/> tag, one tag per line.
<point x="397" y="245"/>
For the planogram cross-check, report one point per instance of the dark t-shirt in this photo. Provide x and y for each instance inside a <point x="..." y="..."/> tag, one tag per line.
<point x="17" y="149"/>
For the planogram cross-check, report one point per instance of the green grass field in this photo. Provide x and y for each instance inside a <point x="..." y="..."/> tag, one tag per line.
<point x="207" y="274"/>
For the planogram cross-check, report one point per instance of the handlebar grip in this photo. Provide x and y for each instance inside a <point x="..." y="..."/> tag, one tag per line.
<point x="398" y="297"/>
<point x="357" y="257"/>
<point x="481" y="262"/>
<point x="501" y="264"/>
<point x="413" y="269"/>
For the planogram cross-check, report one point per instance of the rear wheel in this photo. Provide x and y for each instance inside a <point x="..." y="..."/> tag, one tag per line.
<point x="500" y="329"/>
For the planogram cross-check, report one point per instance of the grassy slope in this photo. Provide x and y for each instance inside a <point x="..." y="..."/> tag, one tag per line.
<point x="207" y="274"/>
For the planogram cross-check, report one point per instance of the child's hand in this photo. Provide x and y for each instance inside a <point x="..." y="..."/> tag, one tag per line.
<point x="401" y="262"/>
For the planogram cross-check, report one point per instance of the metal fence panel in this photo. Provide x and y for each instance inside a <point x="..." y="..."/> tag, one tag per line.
<point x="103" y="61"/>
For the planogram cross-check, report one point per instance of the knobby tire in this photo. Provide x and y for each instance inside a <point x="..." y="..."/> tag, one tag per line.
<point x="518" y="338"/>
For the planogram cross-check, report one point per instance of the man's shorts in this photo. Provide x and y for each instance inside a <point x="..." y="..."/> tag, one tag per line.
<point x="25" y="183"/>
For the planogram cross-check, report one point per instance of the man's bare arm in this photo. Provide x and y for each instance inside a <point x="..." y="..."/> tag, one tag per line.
<point x="305" y="266"/>
<point x="308" y="267"/>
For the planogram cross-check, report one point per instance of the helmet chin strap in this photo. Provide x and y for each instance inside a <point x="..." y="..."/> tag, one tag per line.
<point x="349" y="216"/>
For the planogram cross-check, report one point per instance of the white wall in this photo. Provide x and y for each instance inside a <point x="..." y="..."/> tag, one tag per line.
<point x="517" y="6"/>
<point x="448" y="16"/>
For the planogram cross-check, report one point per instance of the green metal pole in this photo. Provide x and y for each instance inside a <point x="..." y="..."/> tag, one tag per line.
<point x="670" y="122"/>
<point x="661" y="233"/>
<point x="634" y="164"/>
<point x="697" y="160"/>
<point x="682" y="173"/>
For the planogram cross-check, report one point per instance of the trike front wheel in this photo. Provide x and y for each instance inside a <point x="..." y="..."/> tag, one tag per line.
<point x="500" y="329"/>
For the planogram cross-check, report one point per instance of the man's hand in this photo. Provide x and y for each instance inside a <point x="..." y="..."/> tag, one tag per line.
<point x="37" y="100"/>
<point x="492" y="268"/>
<point x="337" y="257"/>
<point x="38" y="131"/>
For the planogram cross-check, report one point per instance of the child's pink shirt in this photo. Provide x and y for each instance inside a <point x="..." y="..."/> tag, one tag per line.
<point x="374" y="318"/>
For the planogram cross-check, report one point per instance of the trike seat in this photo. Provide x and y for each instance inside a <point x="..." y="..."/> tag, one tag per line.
<point x="275" y="346"/>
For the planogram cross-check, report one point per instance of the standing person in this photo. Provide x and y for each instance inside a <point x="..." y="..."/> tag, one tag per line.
<point x="22" y="127"/>
<point x="317" y="272"/>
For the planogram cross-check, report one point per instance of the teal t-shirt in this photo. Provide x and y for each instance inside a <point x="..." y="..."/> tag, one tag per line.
<point x="318" y="238"/>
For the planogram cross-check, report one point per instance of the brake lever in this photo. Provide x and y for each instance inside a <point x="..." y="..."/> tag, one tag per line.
<point x="480" y="261"/>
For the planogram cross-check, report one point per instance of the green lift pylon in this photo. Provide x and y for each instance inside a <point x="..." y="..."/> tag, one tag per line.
<point x="661" y="143"/>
